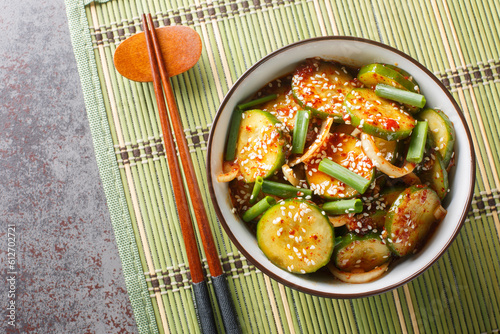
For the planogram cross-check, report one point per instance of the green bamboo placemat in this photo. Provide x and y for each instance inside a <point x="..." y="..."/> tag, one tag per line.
<point x="457" y="40"/>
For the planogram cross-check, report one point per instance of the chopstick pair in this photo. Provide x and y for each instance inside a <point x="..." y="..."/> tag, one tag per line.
<point x="199" y="286"/>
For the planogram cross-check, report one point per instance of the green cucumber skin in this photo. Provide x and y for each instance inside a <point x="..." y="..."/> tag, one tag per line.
<point x="426" y="115"/>
<point x="279" y="159"/>
<point x="380" y="73"/>
<point x="233" y="133"/>
<point x="372" y="74"/>
<point x="351" y="238"/>
<point x="405" y="75"/>
<point x="315" y="112"/>
<point x="273" y="119"/>
<point x="396" y="220"/>
<point x="380" y="130"/>
<point x="377" y="132"/>
<point x="275" y="212"/>
<point x="437" y="183"/>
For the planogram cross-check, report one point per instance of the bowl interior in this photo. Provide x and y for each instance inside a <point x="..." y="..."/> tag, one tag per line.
<point x="354" y="52"/>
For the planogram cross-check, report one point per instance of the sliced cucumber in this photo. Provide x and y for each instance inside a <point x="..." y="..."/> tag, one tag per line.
<point x="296" y="236"/>
<point x="321" y="87"/>
<point x="345" y="150"/>
<point x="388" y="148"/>
<point x="284" y="106"/>
<point x="377" y="219"/>
<point x="410" y="219"/>
<point x="372" y="74"/>
<point x="390" y="194"/>
<point x="361" y="253"/>
<point x="378" y="116"/>
<point x="442" y="132"/>
<point x="362" y="224"/>
<point x="260" y="147"/>
<point x="436" y="177"/>
<point x="405" y="75"/>
<point x="375" y="210"/>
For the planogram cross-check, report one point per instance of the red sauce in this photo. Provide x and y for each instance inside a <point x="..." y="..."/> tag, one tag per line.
<point x="305" y="69"/>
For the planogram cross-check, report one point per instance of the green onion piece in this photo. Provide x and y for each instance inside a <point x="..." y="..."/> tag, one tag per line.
<point x="300" y="131"/>
<point x="345" y="175"/>
<point x="399" y="95"/>
<point x="232" y="137"/>
<point x="417" y="142"/>
<point x="256" y="189"/>
<point x="256" y="102"/>
<point x="284" y="190"/>
<point x="258" y="208"/>
<point x="343" y="206"/>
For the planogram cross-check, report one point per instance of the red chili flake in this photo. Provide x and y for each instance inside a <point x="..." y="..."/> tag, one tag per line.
<point x="390" y="124"/>
<point x="424" y="197"/>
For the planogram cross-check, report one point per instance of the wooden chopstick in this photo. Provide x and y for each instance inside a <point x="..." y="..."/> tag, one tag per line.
<point x="200" y="290"/>
<point x="219" y="282"/>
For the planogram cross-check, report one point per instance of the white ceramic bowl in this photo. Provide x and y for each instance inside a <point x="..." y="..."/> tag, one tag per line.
<point x="355" y="52"/>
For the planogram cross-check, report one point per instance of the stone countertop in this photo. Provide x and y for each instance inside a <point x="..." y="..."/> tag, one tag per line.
<point x="67" y="271"/>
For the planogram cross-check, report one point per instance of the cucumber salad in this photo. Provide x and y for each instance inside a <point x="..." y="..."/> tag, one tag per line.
<point x="338" y="168"/>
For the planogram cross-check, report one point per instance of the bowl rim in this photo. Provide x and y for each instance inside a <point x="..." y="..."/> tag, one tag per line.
<point x="280" y="279"/>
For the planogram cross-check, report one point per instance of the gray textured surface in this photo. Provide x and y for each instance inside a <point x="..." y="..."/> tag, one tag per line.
<point x="69" y="277"/>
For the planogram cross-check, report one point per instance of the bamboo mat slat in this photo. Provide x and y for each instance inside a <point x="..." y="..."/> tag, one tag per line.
<point x="457" y="40"/>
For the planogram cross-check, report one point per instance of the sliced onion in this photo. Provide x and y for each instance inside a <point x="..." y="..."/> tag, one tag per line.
<point x="356" y="132"/>
<point x="380" y="162"/>
<point x="358" y="278"/>
<point x="231" y="171"/>
<point x="440" y="213"/>
<point x="340" y="220"/>
<point x="290" y="175"/>
<point x="311" y="151"/>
